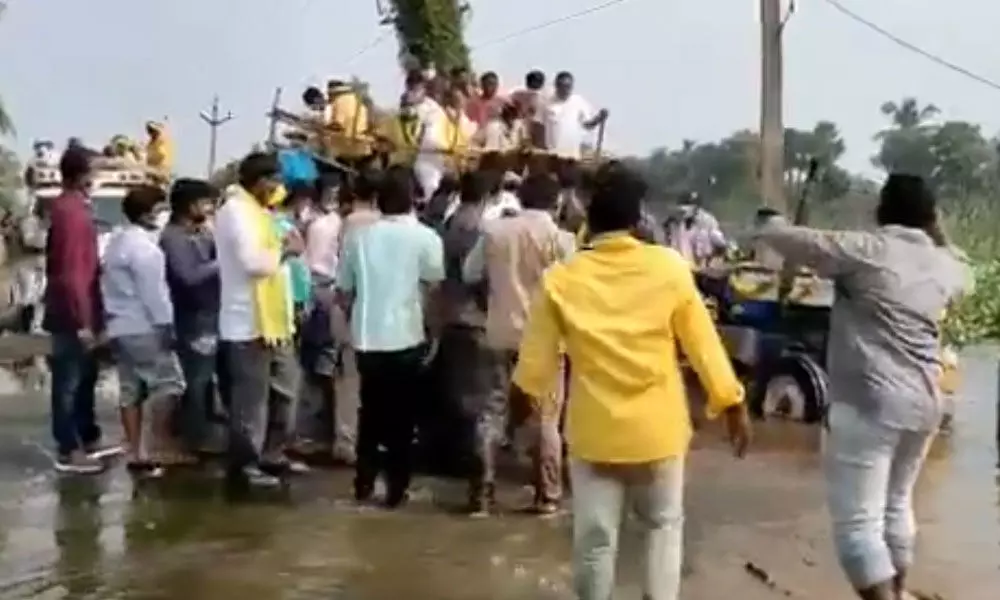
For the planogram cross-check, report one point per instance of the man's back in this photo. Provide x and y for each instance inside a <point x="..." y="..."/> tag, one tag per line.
<point x="518" y="250"/>
<point x="620" y="310"/>
<point x="384" y="265"/>
<point x="885" y="345"/>
<point x="72" y="295"/>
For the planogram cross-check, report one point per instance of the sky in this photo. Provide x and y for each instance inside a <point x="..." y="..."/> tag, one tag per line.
<point x="667" y="70"/>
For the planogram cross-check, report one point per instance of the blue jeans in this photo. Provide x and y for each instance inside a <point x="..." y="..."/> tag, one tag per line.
<point x="601" y="493"/>
<point x="74" y="377"/>
<point x="871" y="470"/>
<point x="197" y="408"/>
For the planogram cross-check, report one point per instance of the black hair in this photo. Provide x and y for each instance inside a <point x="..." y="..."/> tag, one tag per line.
<point x="616" y="204"/>
<point x="185" y="193"/>
<point x="397" y="191"/>
<point x="366" y="184"/>
<point x="459" y="70"/>
<point x="74" y="165"/>
<point x="908" y="201"/>
<point x="256" y="167"/>
<point x="766" y="212"/>
<point x="489" y="75"/>
<point x="534" y="80"/>
<point x="539" y="191"/>
<point x="299" y="191"/>
<point x="140" y="202"/>
<point x="415" y="77"/>
<point x="313" y="95"/>
<point x="564" y="76"/>
<point x="474" y="186"/>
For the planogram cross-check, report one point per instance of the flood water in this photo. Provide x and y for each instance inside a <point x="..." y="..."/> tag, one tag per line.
<point x="110" y="537"/>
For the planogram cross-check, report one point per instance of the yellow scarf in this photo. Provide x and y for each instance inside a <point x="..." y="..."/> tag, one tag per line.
<point x="271" y="299"/>
<point x="456" y="140"/>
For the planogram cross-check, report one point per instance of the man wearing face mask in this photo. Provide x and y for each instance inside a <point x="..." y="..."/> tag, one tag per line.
<point x="140" y="326"/>
<point x="193" y="279"/>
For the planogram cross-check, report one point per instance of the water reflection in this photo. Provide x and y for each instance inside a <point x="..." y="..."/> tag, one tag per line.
<point x="77" y="533"/>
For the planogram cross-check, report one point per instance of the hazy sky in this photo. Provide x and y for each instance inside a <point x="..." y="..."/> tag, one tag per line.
<point x="666" y="69"/>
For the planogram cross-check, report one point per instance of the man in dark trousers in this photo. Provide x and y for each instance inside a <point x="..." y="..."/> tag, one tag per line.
<point x="74" y="318"/>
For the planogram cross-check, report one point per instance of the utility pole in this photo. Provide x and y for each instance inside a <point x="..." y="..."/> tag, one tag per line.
<point x="214" y="121"/>
<point x="772" y="130"/>
<point x="272" y="130"/>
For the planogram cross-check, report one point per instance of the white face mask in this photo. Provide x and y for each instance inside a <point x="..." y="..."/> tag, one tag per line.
<point x="161" y="219"/>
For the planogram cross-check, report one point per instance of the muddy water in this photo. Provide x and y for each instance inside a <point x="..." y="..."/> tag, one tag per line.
<point x="111" y="537"/>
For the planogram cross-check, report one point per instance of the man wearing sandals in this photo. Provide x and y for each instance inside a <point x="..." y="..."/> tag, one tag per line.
<point x="140" y="329"/>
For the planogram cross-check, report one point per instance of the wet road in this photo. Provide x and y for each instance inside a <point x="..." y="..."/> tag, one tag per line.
<point x="109" y="537"/>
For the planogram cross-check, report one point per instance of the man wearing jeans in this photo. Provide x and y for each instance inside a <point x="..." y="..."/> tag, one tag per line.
<point x="893" y="285"/>
<point x="386" y="271"/>
<point x="73" y="316"/>
<point x="193" y="277"/>
<point x="628" y="425"/>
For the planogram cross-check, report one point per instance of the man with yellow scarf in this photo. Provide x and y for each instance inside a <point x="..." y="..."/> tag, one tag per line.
<point x="256" y="323"/>
<point x="159" y="149"/>
<point x="401" y="133"/>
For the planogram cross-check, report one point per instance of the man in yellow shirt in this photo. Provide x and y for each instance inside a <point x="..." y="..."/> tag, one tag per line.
<point x="620" y="308"/>
<point x="348" y="124"/>
<point x="159" y="148"/>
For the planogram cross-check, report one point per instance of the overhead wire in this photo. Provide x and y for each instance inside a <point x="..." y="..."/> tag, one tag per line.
<point x="550" y="23"/>
<point x="935" y="58"/>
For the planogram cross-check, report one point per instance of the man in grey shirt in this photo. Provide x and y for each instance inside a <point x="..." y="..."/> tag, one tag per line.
<point x="893" y="286"/>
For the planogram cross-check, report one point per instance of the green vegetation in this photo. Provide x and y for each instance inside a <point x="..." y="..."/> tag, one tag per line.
<point x="430" y="32"/>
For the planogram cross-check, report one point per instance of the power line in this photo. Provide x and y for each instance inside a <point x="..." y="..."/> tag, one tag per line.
<point x="913" y="47"/>
<point x="375" y="42"/>
<point x="546" y="24"/>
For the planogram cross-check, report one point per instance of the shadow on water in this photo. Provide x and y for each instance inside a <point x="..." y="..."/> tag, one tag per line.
<point x="186" y="538"/>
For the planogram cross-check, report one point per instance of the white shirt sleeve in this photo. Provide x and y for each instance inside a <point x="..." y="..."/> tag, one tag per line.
<point x="150" y="270"/>
<point x="255" y="260"/>
<point x="584" y="109"/>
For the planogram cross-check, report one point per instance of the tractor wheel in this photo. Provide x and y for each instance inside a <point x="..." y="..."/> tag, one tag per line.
<point x="796" y="391"/>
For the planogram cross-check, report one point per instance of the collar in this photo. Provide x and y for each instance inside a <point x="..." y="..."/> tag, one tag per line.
<point x="909" y="234"/>
<point x="407" y="218"/>
<point x="614" y="241"/>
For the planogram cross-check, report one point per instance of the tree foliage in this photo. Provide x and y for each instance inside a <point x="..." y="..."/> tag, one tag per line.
<point x="431" y="32"/>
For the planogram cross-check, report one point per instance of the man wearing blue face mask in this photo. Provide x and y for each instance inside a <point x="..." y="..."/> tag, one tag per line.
<point x="140" y="327"/>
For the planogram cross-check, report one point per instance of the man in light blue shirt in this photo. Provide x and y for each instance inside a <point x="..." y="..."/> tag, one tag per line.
<point x="386" y="272"/>
<point x="140" y="319"/>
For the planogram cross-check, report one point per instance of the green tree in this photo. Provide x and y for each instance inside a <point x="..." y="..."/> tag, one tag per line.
<point x="430" y="32"/>
<point x="905" y="147"/>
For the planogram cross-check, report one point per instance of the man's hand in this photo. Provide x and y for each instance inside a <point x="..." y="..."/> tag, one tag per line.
<point x="602" y="115"/>
<point x="293" y="244"/>
<point x="738" y="428"/>
<point x="87" y="338"/>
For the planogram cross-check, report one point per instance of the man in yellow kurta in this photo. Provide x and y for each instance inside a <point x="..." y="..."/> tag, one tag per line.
<point x="159" y="149"/>
<point x="348" y="123"/>
<point x="620" y="308"/>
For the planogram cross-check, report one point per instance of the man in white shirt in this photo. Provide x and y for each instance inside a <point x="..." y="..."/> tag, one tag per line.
<point x="503" y="133"/>
<point x="446" y="130"/>
<point x="566" y="117"/>
<point x="263" y="378"/>
<point x="140" y="326"/>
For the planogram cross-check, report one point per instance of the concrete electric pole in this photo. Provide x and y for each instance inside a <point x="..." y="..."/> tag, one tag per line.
<point x="214" y="120"/>
<point x="772" y="130"/>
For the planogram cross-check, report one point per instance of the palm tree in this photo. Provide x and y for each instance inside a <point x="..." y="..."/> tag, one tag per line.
<point x="908" y="114"/>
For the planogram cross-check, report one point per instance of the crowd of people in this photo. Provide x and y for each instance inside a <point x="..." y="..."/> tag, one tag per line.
<point x="262" y="290"/>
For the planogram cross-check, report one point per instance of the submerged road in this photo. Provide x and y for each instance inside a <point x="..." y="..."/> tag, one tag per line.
<point x="182" y="538"/>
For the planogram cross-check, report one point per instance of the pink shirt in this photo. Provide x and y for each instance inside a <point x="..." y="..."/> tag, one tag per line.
<point x="323" y="245"/>
<point x="480" y="110"/>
